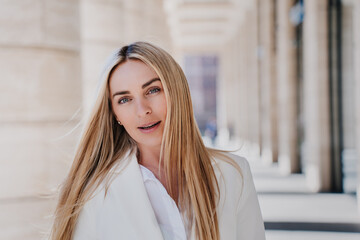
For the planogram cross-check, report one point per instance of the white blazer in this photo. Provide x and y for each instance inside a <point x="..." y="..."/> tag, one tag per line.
<point x="126" y="212"/>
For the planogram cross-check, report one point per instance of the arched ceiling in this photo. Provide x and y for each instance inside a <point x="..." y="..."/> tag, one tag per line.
<point x="203" y="23"/>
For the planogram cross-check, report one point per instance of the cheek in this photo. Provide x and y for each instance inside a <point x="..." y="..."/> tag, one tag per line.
<point x="119" y="117"/>
<point x="128" y="123"/>
<point x="125" y="119"/>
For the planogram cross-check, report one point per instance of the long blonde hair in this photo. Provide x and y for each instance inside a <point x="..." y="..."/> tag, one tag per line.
<point x="186" y="160"/>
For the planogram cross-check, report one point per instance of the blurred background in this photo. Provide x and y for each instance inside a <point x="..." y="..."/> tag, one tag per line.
<point x="278" y="78"/>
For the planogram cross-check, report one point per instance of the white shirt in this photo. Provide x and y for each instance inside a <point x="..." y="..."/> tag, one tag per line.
<point x="165" y="209"/>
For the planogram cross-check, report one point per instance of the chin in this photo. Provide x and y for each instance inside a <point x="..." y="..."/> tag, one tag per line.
<point x="152" y="144"/>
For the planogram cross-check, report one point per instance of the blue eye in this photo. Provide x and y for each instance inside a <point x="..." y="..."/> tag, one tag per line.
<point x="154" y="90"/>
<point x="123" y="100"/>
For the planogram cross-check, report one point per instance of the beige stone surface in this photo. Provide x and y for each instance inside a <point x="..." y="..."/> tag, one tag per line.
<point x="287" y="90"/>
<point x="243" y="118"/>
<point x="40" y="23"/>
<point x="40" y="104"/>
<point x="316" y="96"/>
<point x="39" y="84"/>
<point x="35" y="157"/>
<point x="26" y="218"/>
<point x="347" y="75"/>
<point x="51" y="56"/>
<point x="204" y="24"/>
<point x="268" y="84"/>
<point x="252" y="75"/>
<point x="240" y="86"/>
<point x="22" y="28"/>
<point x="222" y="105"/>
<point x="357" y="86"/>
<point x="102" y="22"/>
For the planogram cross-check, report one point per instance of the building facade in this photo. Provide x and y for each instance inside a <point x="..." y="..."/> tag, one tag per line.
<point x="287" y="83"/>
<point x="51" y="55"/>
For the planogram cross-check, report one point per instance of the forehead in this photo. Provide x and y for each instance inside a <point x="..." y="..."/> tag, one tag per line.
<point x="132" y="71"/>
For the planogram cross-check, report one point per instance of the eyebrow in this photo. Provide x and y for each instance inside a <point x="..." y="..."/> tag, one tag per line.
<point x="150" y="82"/>
<point x="143" y="86"/>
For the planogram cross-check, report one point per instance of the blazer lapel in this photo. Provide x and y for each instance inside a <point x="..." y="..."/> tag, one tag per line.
<point x="129" y="206"/>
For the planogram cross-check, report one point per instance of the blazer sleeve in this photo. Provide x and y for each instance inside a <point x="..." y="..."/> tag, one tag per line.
<point x="250" y="225"/>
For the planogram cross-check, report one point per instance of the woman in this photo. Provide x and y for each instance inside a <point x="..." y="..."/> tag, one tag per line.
<point x="141" y="170"/>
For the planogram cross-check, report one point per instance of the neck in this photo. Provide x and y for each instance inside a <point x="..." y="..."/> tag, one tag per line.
<point x="149" y="157"/>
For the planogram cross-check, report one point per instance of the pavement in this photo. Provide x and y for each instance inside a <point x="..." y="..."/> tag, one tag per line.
<point x="291" y="211"/>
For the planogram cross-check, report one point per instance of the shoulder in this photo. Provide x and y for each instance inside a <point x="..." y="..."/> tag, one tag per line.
<point x="240" y="161"/>
<point x="233" y="174"/>
<point x="231" y="163"/>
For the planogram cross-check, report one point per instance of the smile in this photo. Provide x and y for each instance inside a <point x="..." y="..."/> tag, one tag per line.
<point x="150" y="126"/>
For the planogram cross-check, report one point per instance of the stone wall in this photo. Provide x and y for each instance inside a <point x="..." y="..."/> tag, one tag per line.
<point x="51" y="55"/>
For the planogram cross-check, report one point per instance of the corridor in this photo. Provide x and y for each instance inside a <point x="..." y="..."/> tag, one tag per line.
<point x="280" y="75"/>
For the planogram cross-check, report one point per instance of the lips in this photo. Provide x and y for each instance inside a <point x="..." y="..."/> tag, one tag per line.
<point x="149" y="125"/>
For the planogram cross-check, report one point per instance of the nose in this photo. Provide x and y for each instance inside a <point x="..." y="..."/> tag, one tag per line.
<point x="143" y="108"/>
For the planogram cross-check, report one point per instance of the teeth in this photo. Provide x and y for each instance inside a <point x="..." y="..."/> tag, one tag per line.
<point x="150" y="126"/>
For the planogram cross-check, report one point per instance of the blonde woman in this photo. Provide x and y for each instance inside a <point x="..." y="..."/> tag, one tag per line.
<point x="141" y="170"/>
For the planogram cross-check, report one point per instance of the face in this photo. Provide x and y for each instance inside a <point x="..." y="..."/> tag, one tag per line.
<point x="138" y="101"/>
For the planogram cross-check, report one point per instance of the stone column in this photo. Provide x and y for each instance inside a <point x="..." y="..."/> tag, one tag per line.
<point x="287" y="94"/>
<point x="252" y="77"/>
<point x="233" y="88"/>
<point x="40" y="94"/>
<point x="267" y="79"/>
<point x="222" y="95"/>
<point x="356" y="30"/>
<point x="316" y="96"/>
<point x="244" y="96"/>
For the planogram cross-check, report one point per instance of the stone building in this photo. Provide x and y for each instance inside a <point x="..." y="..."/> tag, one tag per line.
<point x="287" y="84"/>
<point x="287" y="80"/>
<point x="51" y="55"/>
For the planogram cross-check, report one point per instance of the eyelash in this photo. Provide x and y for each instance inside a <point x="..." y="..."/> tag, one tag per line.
<point x="156" y="89"/>
<point x="121" y="100"/>
<point x="151" y="91"/>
